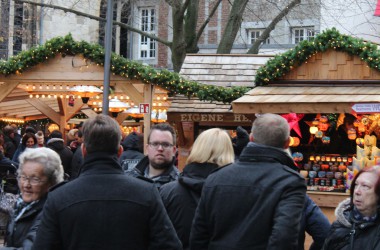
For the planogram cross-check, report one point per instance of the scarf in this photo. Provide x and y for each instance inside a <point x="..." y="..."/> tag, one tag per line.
<point x="359" y="217"/>
<point x="22" y="207"/>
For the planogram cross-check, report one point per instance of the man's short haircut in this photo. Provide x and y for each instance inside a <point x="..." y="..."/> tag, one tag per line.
<point x="101" y="134"/>
<point x="164" y="127"/>
<point x="56" y="134"/>
<point x="271" y="130"/>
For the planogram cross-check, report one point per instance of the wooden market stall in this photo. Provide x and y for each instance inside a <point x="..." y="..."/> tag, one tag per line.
<point x="38" y="83"/>
<point x="330" y="76"/>
<point x="191" y="116"/>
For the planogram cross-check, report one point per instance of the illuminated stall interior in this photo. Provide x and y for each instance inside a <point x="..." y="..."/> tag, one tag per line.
<point x="314" y="86"/>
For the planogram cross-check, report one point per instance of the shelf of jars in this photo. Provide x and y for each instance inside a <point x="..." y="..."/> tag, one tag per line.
<point x="325" y="173"/>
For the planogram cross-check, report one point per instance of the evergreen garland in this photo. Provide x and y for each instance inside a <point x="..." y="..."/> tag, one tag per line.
<point x="174" y="83"/>
<point x="133" y="70"/>
<point x="280" y="65"/>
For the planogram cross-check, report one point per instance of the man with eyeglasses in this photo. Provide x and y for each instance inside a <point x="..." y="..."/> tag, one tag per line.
<point x="103" y="208"/>
<point x="158" y="165"/>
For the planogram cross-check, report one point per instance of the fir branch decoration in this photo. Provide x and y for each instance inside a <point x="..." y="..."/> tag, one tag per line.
<point x="165" y="79"/>
<point x="280" y="65"/>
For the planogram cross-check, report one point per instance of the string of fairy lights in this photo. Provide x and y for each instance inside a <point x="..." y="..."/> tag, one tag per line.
<point x="172" y="82"/>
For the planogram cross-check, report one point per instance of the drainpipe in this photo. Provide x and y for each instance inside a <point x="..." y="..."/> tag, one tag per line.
<point x="41" y="23"/>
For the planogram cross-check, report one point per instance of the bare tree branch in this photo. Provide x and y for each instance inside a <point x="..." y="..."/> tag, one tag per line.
<point x="256" y="45"/>
<point x="201" y="29"/>
<point x="184" y="6"/>
<point x="100" y="19"/>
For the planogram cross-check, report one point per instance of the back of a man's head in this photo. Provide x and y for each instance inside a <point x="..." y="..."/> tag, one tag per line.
<point x="8" y="130"/>
<point x="101" y="134"/>
<point x="271" y="130"/>
<point x="56" y="134"/>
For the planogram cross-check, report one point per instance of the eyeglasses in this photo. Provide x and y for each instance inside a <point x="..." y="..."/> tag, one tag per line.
<point x="34" y="181"/>
<point x="164" y="145"/>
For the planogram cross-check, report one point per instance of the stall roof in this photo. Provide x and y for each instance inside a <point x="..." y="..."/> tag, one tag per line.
<point x="219" y="70"/>
<point x="311" y="99"/>
<point x="223" y="70"/>
<point x="330" y="81"/>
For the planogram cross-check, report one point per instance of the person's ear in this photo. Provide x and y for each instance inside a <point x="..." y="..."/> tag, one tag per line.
<point x="251" y="137"/>
<point x="120" y="151"/>
<point x="287" y="142"/>
<point x="83" y="148"/>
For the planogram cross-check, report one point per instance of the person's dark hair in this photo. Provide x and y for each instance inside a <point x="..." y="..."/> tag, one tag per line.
<point x="55" y="134"/>
<point x="134" y="141"/>
<point x="101" y="134"/>
<point x="80" y="134"/>
<point x="8" y="130"/>
<point x="79" y="125"/>
<point x="349" y="119"/>
<point x="375" y="170"/>
<point x="26" y="137"/>
<point x="30" y="130"/>
<point x="164" y="127"/>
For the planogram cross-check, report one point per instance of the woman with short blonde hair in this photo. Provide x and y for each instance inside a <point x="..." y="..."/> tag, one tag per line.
<point x="211" y="150"/>
<point x="212" y="146"/>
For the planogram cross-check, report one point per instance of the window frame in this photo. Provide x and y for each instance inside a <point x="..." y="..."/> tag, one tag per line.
<point x="307" y="34"/>
<point x="258" y="33"/>
<point x="148" y="23"/>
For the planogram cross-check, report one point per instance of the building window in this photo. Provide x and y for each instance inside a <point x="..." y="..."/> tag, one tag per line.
<point x="300" y="34"/>
<point x="121" y="13"/>
<point x="147" y="24"/>
<point x="253" y="35"/>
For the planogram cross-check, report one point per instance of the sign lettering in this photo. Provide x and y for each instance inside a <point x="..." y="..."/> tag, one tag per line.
<point x="366" y="107"/>
<point x="213" y="118"/>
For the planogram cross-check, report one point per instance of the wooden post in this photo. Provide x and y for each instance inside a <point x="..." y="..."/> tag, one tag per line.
<point x="148" y="96"/>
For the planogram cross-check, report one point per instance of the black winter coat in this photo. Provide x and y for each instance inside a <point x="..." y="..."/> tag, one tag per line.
<point x="170" y="174"/>
<point x="64" y="152"/>
<point x="254" y="203"/>
<point x="315" y="223"/>
<point x="349" y="234"/>
<point x="105" y="209"/>
<point x="21" y="234"/>
<point x="129" y="159"/>
<point x="76" y="163"/>
<point x="181" y="197"/>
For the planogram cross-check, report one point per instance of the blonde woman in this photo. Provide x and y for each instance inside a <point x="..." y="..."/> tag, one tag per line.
<point x="211" y="150"/>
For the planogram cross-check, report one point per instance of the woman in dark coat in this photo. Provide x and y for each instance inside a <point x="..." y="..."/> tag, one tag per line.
<point x="357" y="226"/>
<point x="40" y="169"/>
<point x="212" y="149"/>
<point x="29" y="140"/>
<point x="56" y="143"/>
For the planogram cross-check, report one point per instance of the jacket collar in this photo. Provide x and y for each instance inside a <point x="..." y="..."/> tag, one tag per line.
<point x="262" y="153"/>
<point x="144" y="163"/>
<point x="101" y="163"/>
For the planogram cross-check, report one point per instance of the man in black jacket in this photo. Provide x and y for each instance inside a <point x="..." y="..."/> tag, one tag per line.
<point x="158" y="166"/>
<point x="257" y="202"/>
<point x="133" y="146"/>
<point x="104" y="208"/>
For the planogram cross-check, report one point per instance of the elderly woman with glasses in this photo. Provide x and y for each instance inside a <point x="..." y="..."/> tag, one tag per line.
<point x="39" y="170"/>
<point x="358" y="218"/>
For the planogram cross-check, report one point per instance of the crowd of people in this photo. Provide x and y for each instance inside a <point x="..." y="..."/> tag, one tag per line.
<point x="240" y="193"/>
